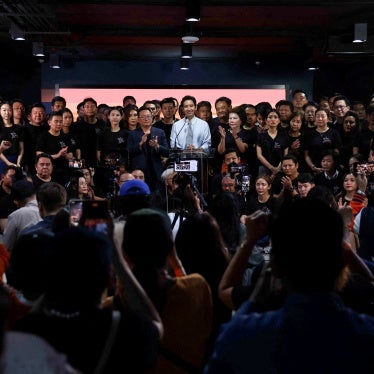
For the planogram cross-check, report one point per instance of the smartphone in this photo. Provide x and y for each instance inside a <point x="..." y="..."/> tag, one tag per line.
<point x="75" y="210"/>
<point x="96" y="216"/>
<point x="366" y="168"/>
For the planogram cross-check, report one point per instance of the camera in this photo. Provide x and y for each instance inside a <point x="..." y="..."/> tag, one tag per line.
<point x="235" y="168"/>
<point x="240" y="175"/>
<point x="184" y="179"/>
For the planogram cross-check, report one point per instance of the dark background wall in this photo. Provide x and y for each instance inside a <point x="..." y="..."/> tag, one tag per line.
<point x="31" y="78"/>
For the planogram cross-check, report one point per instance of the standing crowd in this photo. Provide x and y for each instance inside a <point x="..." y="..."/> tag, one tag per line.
<point x="267" y="269"/>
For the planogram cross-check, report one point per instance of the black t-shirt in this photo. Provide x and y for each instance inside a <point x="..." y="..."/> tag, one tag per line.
<point x="14" y="134"/>
<point x="52" y="144"/>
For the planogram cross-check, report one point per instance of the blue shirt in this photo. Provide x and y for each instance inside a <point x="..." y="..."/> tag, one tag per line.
<point x="311" y="333"/>
<point x="201" y="134"/>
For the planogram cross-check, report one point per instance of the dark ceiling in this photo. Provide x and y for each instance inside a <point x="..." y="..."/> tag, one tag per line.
<point x="229" y="30"/>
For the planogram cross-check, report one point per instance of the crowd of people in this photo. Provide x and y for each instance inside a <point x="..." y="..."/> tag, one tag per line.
<point x="269" y="269"/>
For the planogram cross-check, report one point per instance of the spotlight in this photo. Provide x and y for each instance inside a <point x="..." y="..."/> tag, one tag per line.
<point x="186" y="50"/>
<point x="192" y="10"/>
<point x="190" y="35"/>
<point x="54" y="61"/>
<point x="360" y="33"/>
<point x="185" y="63"/>
<point x="16" y="33"/>
<point x="38" y="49"/>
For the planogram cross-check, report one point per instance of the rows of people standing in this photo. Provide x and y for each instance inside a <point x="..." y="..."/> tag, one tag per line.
<point x="141" y="137"/>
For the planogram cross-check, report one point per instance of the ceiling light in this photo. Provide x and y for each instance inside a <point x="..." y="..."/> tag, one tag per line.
<point x="16" y="33"/>
<point x="185" y="64"/>
<point x="54" y="61"/>
<point x="186" y="50"/>
<point x="313" y="68"/>
<point x="361" y="33"/>
<point x="193" y="10"/>
<point x="190" y="35"/>
<point x="38" y="49"/>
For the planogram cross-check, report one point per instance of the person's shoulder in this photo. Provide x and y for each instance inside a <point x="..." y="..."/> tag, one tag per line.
<point x="192" y="281"/>
<point x="201" y="121"/>
<point x="158" y="130"/>
<point x="178" y="123"/>
<point x="28" y="353"/>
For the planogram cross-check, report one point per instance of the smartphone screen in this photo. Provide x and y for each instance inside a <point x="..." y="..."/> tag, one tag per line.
<point x="96" y="216"/>
<point x="75" y="210"/>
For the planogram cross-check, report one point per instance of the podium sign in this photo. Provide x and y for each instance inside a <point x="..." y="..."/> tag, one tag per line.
<point x="195" y="162"/>
<point x="186" y="166"/>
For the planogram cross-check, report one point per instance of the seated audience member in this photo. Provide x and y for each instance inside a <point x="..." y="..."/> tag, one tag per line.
<point x="44" y="170"/>
<point x="184" y="303"/>
<point x="24" y="195"/>
<point x="332" y="175"/>
<point x="165" y="190"/>
<point x="51" y="198"/>
<point x="77" y="187"/>
<point x="305" y="182"/>
<point x="94" y="191"/>
<point x="70" y="316"/>
<point x="284" y="340"/>
<point x="138" y="174"/>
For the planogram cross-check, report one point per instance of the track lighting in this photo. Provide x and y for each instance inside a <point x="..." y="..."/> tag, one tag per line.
<point x="16" y="33"/>
<point x="38" y="49"/>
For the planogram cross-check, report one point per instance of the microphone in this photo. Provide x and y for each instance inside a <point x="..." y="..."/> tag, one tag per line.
<point x="176" y="137"/>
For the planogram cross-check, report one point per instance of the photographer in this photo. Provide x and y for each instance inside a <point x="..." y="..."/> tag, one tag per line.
<point x="233" y="166"/>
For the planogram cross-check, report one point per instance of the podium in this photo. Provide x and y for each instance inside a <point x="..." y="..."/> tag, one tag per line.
<point x="194" y="162"/>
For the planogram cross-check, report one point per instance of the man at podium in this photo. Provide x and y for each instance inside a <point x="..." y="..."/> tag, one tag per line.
<point x="190" y="133"/>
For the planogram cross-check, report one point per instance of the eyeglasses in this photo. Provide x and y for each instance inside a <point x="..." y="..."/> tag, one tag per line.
<point x="145" y="117"/>
<point x="340" y="107"/>
<point x="321" y="116"/>
<point x="349" y="121"/>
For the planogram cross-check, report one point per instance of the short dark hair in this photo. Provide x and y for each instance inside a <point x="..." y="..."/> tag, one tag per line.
<point x="89" y="100"/>
<point x="305" y="178"/>
<point x="341" y="97"/>
<point x="188" y="97"/>
<point x="43" y="155"/>
<point x="299" y="91"/>
<point x="204" y="103"/>
<point x="285" y="103"/>
<point x="225" y="99"/>
<point x="167" y="100"/>
<point x="291" y="157"/>
<point x="51" y="195"/>
<point x="58" y="98"/>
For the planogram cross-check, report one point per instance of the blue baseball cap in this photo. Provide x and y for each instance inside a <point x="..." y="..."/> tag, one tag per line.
<point x="134" y="187"/>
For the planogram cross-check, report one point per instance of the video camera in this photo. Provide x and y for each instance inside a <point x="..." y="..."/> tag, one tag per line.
<point x="241" y="176"/>
<point x="186" y="179"/>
